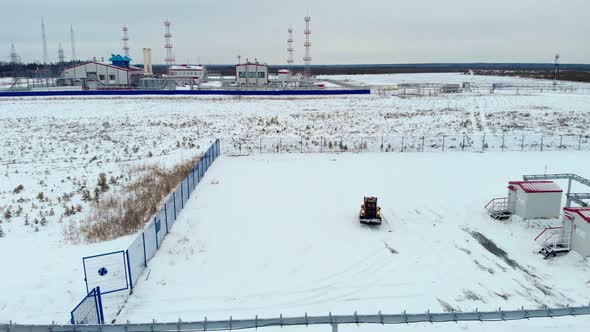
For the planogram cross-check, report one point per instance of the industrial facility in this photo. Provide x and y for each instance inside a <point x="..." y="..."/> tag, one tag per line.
<point x="102" y="75"/>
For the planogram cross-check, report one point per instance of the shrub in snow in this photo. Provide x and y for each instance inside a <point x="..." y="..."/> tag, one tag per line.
<point x="102" y="182"/>
<point x="96" y="194"/>
<point x="19" y="211"/>
<point x="8" y="213"/>
<point x="41" y="196"/>
<point x="43" y="221"/>
<point x="1" y="232"/>
<point x="18" y="189"/>
<point x="86" y="195"/>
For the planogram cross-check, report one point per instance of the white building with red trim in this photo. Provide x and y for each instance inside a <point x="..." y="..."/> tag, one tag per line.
<point x="534" y="199"/>
<point x="187" y="73"/>
<point x="99" y="75"/>
<point x="576" y="225"/>
<point x="252" y="74"/>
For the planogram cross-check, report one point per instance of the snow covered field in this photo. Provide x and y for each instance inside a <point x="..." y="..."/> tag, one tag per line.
<point x="444" y="78"/>
<point x="59" y="146"/>
<point x="279" y="234"/>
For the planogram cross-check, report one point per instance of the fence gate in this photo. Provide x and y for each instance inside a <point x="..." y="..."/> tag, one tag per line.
<point x="89" y="310"/>
<point x="107" y="271"/>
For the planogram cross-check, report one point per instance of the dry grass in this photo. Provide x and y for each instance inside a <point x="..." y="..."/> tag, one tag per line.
<point x="128" y="210"/>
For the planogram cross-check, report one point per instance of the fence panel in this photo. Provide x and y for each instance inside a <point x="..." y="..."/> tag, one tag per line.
<point x="532" y="142"/>
<point x="178" y="201"/>
<point x="151" y="243"/>
<point x="170" y="212"/>
<point x="584" y="142"/>
<point x="570" y="142"/>
<point x="393" y="143"/>
<point x="453" y="143"/>
<point x="136" y="260"/>
<point x="241" y="146"/>
<point x="160" y="223"/>
<point x="191" y="182"/>
<point x="432" y="143"/>
<point x="311" y="144"/>
<point x="107" y="271"/>
<point x="513" y="142"/>
<point x="185" y="193"/>
<point x="413" y="143"/>
<point x="89" y="310"/>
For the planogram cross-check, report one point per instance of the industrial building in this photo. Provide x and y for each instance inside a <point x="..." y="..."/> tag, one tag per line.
<point x="528" y="200"/>
<point x="118" y="73"/>
<point x="187" y="74"/>
<point x="535" y="199"/>
<point x="252" y="74"/>
<point x="576" y="226"/>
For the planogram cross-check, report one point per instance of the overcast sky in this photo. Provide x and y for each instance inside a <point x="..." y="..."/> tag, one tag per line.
<point x="343" y="31"/>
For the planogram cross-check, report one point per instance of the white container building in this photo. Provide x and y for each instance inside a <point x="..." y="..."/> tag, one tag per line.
<point x="187" y="72"/>
<point x="576" y="226"/>
<point x="534" y="199"/>
<point x="252" y="74"/>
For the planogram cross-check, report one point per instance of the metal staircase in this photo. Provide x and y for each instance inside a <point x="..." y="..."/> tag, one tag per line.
<point x="498" y="208"/>
<point x="553" y="241"/>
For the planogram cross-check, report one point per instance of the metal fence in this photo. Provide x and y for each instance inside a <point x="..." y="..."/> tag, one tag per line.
<point x="89" y="310"/>
<point x="407" y="143"/>
<point x="120" y="270"/>
<point x="332" y="320"/>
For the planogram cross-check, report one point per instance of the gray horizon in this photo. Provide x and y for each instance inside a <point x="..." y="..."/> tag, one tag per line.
<point x="376" y="31"/>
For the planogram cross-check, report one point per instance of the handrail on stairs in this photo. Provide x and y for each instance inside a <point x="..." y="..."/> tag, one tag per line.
<point x="493" y="201"/>
<point x="546" y="229"/>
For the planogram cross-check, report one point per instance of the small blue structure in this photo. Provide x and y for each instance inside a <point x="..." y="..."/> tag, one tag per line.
<point x="120" y="61"/>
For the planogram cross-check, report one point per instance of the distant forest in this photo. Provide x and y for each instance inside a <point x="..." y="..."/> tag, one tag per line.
<point x="569" y="72"/>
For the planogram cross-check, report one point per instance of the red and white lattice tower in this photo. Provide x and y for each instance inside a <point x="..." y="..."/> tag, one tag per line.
<point x="290" y="48"/>
<point x="307" y="44"/>
<point x="125" y="40"/>
<point x="168" y="44"/>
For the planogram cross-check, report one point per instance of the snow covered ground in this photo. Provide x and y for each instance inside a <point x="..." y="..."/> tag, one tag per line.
<point x="58" y="146"/>
<point x="444" y="78"/>
<point x="279" y="234"/>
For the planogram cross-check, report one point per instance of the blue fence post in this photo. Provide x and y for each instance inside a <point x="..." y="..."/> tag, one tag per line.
<point x="156" y="232"/>
<point x="101" y="313"/>
<point x="85" y="276"/>
<point x="200" y="164"/>
<point x="166" y="215"/>
<point x="193" y="178"/>
<point x="182" y="195"/>
<point x="188" y="188"/>
<point x="129" y="269"/>
<point x="144" y="253"/>
<point x="174" y="197"/>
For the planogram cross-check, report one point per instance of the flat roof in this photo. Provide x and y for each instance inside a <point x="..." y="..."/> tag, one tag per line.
<point x="583" y="212"/>
<point x="537" y="186"/>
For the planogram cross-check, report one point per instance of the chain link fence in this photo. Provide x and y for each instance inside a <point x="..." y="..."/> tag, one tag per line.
<point x="406" y="143"/>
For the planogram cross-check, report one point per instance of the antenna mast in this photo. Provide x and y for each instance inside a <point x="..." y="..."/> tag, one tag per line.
<point x="60" y="54"/>
<point x="14" y="58"/>
<point x="290" y="48"/>
<point x="307" y="44"/>
<point x="168" y="44"/>
<point x="556" y="70"/>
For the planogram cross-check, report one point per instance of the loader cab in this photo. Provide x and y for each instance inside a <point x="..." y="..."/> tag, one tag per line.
<point x="370" y="212"/>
